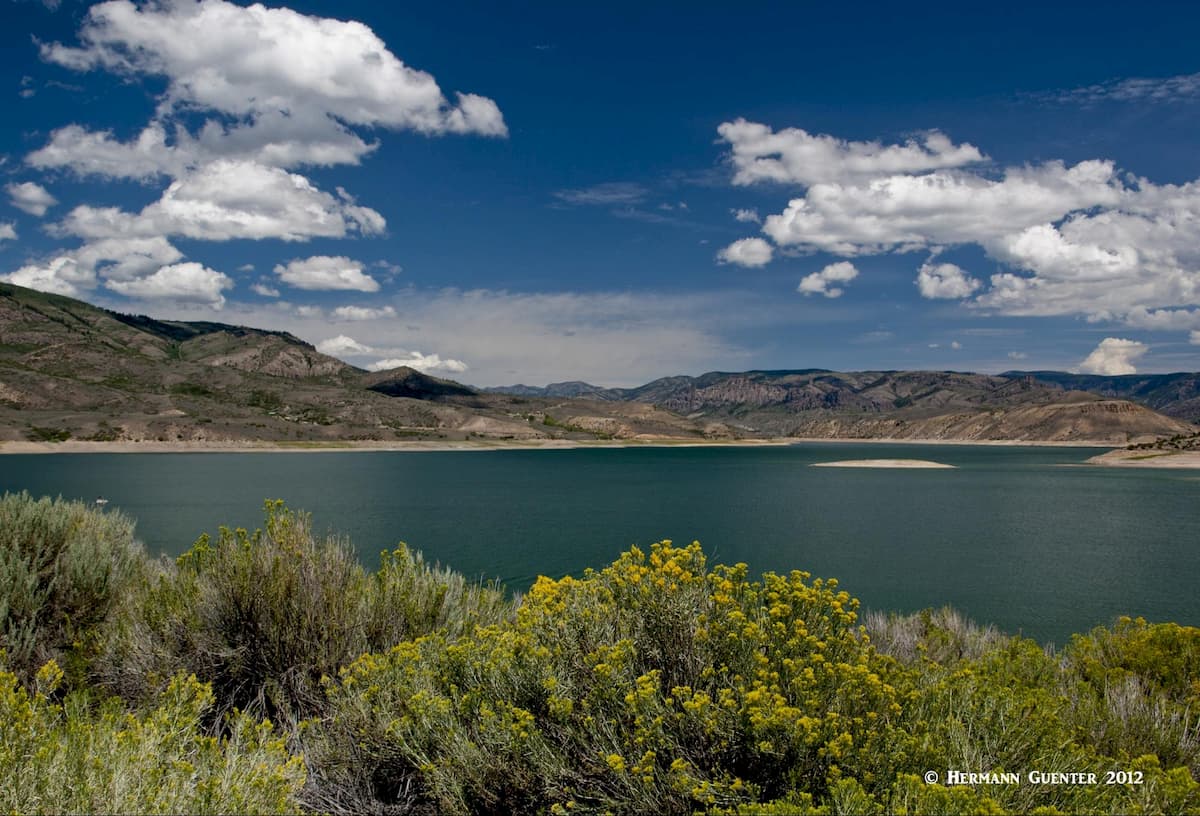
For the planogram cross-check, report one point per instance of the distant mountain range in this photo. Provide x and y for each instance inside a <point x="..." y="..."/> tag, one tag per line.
<point x="69" y="370"/>
<point x="1175" y="395"/>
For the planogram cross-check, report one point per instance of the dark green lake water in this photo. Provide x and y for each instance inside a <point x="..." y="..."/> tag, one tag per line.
<point x="1021" y="537"/>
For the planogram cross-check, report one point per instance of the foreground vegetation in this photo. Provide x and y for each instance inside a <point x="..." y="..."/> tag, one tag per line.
<point x="269" y="672"/>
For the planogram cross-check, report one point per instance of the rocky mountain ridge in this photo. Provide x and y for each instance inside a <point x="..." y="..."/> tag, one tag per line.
<point x="69" y="370"/>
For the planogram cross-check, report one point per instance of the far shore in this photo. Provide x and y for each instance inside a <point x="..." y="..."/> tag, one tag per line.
<point x="310" y="446"/>
<point x="1021" y="443"/>
<point x="414" y="445"/>
<point x="1147" y="459"/>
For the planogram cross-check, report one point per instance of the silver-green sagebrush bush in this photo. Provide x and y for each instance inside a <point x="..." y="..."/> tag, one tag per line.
<point x="63" y="566"/>
<point x="264" y="616"/>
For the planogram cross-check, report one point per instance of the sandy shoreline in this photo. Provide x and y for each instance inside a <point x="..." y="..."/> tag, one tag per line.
<point x="923" y="464"/>
<point x="248" y="446"/>
<point x="257" y="446"/>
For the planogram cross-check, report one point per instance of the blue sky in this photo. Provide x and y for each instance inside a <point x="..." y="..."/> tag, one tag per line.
<point x="552" y="191"/>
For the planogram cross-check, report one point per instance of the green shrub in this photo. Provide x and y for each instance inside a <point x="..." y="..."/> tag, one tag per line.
<point x="39" y="434"/>
<point x="63" y="566"/>
<point x="264" y="616"/>
<point x="651" y="686"/>
<point x="80" y="757"/>
<point x="1138" y="690"/>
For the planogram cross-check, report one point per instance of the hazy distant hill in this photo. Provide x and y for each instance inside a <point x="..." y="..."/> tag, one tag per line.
<point x="891" y="404"/>
<point x="72" y="370"/>
<point x="1176" y="395"/>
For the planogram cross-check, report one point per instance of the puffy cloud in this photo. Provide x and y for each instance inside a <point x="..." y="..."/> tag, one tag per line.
<point x="273" y="138"/>
<point x="1132" y="264"/>
<point x="293" y="83"/>
<point x="818" y="283"/>
<point x="60" y="276"/>
<point x="183" y="282"/>
<point x="89" y="152"/>
<point x="356" y="313"/>
<point x="748" y="252"/>
<point x="1017" y="355"/>
<point x="117" y="259"/>
<point x="8" y="232"/>
<point x="427" y="363"/>
<point x="232" y="199"/>
<point x="126" y="258"/>
<point x="796" y="156"/>
<point x="1113" y="356"/>
<point x="265" y="290"/>
<point x="746" y="216"/>
<point x="908" y="212"/>
<point x="945" y="280"/>
<point x="324" y="272"/>
<point x="1194" y="337"/>
<point x="1080" y="239"/>
<point x="31" y="197"/>
<point x="342" y="345"/>
<point x="1157" y="319"/>
<point x="250" y="93"/>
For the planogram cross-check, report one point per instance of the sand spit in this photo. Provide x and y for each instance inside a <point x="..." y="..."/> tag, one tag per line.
<point x="885" y="463"/>
<point x="1147" y="459"/>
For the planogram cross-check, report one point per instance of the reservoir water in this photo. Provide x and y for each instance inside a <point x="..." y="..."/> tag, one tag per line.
<point x="1026" y="538"/>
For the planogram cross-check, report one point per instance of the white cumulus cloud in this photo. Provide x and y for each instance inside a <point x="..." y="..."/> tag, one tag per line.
<point x="8" y="232"/>
<point x="1113" y="356"/>
<point x="31" y="197"/>
<point x="1082" y="239"/>
<point x="908" y="212"/>
<point x="248" y="94"/>
<point x="324" y="272"/>
<point x="748" y="252"/>
<point x="427" y="363"/>
<point x="59" y="276"/>
<point x="342" y="345"/>
<point x="796" y="156"/>
<point x="291" y="83"/>
<point x="225" y="200"/>
<point x="818" y="283"/>
<point x="183" y="282"/>
<point x="945" y="280"/>
<point x="746" y="216"/>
